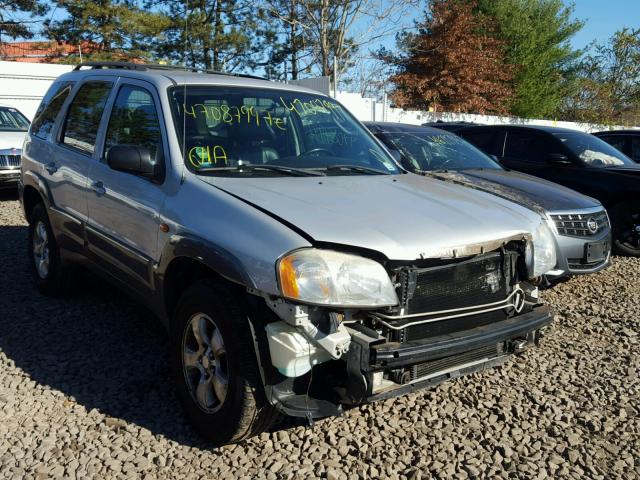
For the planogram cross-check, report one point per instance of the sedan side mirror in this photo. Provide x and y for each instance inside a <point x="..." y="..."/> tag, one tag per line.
<point x="133" y="159"/>
<point x="558" y="159"/>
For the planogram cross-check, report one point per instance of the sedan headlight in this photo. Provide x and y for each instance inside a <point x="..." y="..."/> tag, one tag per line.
<point x="544" y="251"/>
<point x="326" y="277"/>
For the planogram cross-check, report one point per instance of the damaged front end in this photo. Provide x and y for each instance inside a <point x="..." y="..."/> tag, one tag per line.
<point x="454" y="315"/>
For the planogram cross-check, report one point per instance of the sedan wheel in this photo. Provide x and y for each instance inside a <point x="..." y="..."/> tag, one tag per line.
<point x="628" y="234"/>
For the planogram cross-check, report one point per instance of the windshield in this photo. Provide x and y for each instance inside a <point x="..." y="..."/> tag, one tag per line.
<point x="428" y="151"/>
<point x="277" y="132"/>
<point x="12" y="120"/>
<point x="593" y="151"/>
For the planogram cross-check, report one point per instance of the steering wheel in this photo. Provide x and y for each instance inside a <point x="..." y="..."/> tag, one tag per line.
<point x="316" y="150"/>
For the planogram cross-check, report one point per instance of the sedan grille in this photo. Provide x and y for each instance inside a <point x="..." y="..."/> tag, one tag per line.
<point x="9" y="160"/>
<point x="581" y="224"/>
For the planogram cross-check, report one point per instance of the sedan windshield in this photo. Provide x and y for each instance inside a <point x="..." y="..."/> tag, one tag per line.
<point x="265" y="132"/>
<point x="593" y="151"/>
<point x="12" y="120"/>
<point x="438" y="151"/>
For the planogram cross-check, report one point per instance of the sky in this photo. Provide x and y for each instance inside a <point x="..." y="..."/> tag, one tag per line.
<point x="603" y="18"/>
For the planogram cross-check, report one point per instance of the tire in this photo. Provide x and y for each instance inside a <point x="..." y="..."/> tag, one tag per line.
<point x="50" y="275"/>
<point x="223" y="354"/>
<point x="626" y="229"/>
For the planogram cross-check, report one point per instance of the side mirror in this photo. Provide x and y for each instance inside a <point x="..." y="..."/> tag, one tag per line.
<point x="133" y="159"/>
<point x="558" y="159"/>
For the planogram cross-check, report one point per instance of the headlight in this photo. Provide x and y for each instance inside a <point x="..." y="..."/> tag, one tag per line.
<point x="325" y="277"/>
<point x="544" y="250"/>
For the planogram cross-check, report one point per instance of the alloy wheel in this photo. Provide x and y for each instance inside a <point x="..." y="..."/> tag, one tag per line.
<point x="41" y="251"/>
<point x="204" y="361"/>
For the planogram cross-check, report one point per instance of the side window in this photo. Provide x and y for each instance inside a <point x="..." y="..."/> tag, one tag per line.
<point x="526" y="147"/>
<point x="85" y="112"/>
<point x="635" y="149"/>
<point x="484" y="140"/>
<point x="616" y="141"/>
<point x="134" y="121"/>
<point x="49" y="107"/>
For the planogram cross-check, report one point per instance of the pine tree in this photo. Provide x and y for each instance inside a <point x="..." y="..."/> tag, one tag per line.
<point x="114" y="29"/>
<point x="13" y="21"/>
<point x="535" y="35"/>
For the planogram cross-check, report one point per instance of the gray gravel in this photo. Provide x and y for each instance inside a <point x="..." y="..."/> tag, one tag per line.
<point x="84" y="394"/>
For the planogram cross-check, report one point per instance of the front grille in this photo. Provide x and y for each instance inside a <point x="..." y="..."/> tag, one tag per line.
<point x="9" y="160"/>
<point x="581" y="224"/>
<point x="575" y="264"/>
<point x="482" y="280"/>
<point x="478" y="281"/>
<point x="424" y="369"/>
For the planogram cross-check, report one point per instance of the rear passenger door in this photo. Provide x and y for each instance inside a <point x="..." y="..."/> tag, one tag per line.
<point x="67" y="167"/>
<point x="123" y="223"/>
<point x="533" y="152"/>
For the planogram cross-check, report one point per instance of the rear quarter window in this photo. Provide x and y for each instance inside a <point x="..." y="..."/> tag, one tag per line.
<point x="49" y="108"/>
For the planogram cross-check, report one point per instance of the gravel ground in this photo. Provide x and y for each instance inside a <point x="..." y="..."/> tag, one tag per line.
<point x="84" y="394"/>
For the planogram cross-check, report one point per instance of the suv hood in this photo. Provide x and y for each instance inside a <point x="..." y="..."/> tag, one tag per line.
<point x="11" y="140"/>
<point x="404" y="217"/>
<point x="526" y="190"/>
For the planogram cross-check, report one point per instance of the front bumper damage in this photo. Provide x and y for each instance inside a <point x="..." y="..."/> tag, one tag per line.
<point x="366" y="366"/>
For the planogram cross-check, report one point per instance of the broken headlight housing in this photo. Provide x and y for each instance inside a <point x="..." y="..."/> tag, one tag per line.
<point x="327" y="277"/>
<point x="543" y="258"/>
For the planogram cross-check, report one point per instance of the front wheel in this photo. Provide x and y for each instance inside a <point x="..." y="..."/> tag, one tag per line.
<point x="215" y="367"/>
<point x="626" y="230"/>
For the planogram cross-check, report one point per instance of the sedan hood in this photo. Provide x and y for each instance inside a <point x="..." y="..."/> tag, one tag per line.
<point x="11" y="140"/>
<point x="404" y="217"/>
<point x="526" y="190"/>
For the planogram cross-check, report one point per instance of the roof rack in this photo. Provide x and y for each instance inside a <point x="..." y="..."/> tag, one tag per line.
<point x="153" y="66"/>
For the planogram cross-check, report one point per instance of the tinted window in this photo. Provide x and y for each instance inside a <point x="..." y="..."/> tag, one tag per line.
<point x="134" y="121"/>
<point x="228" y="127"/>
<point x="526" y="146"/>
<point x="593" y="151"/>
<point x="438" y="151"/>
<point x="616" y="141"/>
<point x="484" y="140"/>
<point x="12" y="120"/>
<point x="635" y="149"/>
<point x="85" y="112"/>
<point x="49" y="108"/>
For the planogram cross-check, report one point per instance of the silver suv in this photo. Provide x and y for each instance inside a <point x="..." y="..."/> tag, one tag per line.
<point x="296" y="266"/>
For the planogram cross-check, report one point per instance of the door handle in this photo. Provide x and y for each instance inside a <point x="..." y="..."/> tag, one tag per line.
<point x="51" y="168"/>
<point x="98" y="188"/>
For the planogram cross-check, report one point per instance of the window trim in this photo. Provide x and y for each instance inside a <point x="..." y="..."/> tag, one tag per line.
<point x="121" y="82"/>
<point x="73" y="95"/>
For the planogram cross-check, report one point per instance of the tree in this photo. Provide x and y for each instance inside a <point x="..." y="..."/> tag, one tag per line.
<point x="212" y="34"/>
<point x="451" y="63"/>
<point x="609" y="81"/>
<point x="113" y="29"/>
<point x="321" y="30"/>
<point x="535" y="35"/>
<point x="13" y="23"/>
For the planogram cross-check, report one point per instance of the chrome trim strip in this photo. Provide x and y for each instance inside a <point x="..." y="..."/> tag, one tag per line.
<point x="489" y="307"/>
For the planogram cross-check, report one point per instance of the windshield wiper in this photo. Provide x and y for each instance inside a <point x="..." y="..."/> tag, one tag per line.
<point x="299" y="172"/>
<point x="356" y="168"/>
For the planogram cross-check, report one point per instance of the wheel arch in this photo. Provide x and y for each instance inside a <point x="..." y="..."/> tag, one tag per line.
<point x="34" y="190"/>
<point x="187" y="260"/>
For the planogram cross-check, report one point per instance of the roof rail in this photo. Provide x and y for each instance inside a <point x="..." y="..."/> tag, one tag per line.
<point x="153" y="66"/>
<point x="100" y="65"/>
